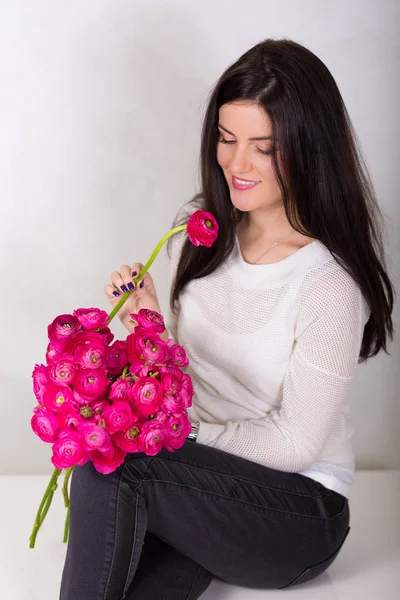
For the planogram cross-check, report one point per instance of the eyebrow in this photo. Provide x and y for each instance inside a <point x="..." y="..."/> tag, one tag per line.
<point x="251" y="139"/>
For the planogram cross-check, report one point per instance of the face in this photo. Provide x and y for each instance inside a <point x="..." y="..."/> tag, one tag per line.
<point x="247" y="162"/>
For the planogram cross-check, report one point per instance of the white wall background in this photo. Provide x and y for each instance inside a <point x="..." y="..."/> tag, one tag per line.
<point x="101" y="106"/>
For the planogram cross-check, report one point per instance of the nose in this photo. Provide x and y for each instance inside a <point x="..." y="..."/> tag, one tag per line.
<point x="240" y="163"/>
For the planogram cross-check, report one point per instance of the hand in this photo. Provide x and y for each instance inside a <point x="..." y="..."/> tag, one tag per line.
<point x="140" y="297"/>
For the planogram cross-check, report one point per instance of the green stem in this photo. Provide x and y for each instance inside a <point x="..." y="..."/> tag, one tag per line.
<point x="66" y="526"/>
<point x="146" y="268"/>
<point x="65" y="486"/>
<point x="42" y="511"/>
<point x="125" y="371"/>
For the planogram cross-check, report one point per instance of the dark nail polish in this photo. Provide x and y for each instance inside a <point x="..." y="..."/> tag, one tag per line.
<point x="141" y="284"/>
<point x="124" y="288"/>
<point x="131" y="286"/>
<point x="134" y="274"/>
<point x="116" y="294"/>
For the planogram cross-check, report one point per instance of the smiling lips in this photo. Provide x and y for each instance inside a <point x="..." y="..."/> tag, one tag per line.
<point x="243" y="184"/>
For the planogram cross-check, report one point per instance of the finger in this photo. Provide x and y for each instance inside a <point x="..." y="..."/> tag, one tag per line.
<point x="143" y="282"/>
<point x="129" y="275"/>
<point x="118" y="282"/>
<point x="112" y="293"/>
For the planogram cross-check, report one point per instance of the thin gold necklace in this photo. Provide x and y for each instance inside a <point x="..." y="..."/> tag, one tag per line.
<point x="273" y="246"/>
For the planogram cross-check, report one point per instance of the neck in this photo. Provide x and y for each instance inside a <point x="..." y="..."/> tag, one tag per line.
<point x="263" y="224"/>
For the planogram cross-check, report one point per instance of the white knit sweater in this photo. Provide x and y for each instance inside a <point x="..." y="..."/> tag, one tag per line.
<point x="272" y="350"/>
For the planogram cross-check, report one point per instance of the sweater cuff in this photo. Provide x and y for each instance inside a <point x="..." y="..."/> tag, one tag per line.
<point x="208" y="432"/>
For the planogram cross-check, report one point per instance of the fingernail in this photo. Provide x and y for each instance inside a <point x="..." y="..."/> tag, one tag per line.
<point x="131" y="286"/>
<point x="141" y="283"/>
<point x="116" y="294"/>
<point x="134" y="274"/>
<point x="124" y="288"/>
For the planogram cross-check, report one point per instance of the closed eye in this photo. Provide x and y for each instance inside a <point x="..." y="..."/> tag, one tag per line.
<point x="222" y="140"/>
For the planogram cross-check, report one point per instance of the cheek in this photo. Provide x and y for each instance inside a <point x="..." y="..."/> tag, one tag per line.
<point x="223" y="156"/>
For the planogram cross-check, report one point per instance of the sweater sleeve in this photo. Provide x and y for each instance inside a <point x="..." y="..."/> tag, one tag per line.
<point x="327" y="339"/>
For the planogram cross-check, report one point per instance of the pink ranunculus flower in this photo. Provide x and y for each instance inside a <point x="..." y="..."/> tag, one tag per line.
<point x="44" y="424"/>
<point x="172" y="381"/>
<point x="202" y="228"/>
<point x="148" y="346"/>
<point x="109" y="460"/>
<point x="53" y="351"/>
<point x="121" y="390"/>
<point x="69" y="417"/>
<point x="83" y="338"/>
<point x="117" y="357"/>
<point x="139" y="367"/>
<point x="63" y="369"/>
<point x="187" y="388"/>
<point x="68" y="451"/>
<point x="107" y="335"/>
<point x="91" y="384"/>
<point x="149" y="319"/>
<point x="118" y="417"/>
<point x="63" y="328"/>
<point x="41" y="380"/>
<point x="178" y="355"/>
<point x="177" y="428"/>
<point x="176" y="404"/>
<point x="129" y="441"/>
<point x="98" y="407"/>
<point x="56" y="395"/>
<point x="147" y="394"/>
<point x="152" y="436"/>
<point x="91" y="355"/>
<point x="94" y="437"/>
<point x="92" y="318"/>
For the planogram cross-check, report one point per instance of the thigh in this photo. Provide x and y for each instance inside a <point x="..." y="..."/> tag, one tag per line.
<point x="245" y="523"/>
<point x="164" y="573"/>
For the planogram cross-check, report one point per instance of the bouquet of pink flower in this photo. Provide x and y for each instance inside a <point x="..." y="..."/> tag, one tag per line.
<point x="99" y="400"/>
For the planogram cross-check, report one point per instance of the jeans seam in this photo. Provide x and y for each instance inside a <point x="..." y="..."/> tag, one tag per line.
<point x="195" y="580"/>
<point x="115" y="535"/>
<point x="239" y="500"/>
<point x="239" y="478"/>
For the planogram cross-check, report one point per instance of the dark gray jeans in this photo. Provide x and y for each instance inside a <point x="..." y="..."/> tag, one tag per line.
<point x="162" y="527"/>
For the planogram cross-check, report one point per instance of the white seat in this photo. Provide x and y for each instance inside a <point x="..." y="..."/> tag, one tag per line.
<point x="367" y="567"/>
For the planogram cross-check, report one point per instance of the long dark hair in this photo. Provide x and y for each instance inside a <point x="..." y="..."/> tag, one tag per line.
<point x="326" y="189"/>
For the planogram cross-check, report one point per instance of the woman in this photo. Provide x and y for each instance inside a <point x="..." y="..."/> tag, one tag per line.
<point x="274" y="317"/>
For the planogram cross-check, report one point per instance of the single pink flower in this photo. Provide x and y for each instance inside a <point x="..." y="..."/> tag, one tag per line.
<point x="91" y="384"/>
<point x="109" y="460"/>
<point x="202" y="228"/>
<point x="69" y="416"/>
<point x="44" y="424"/>
<point x="177" y="428"/>
<point x="148" y="346"/>
<point x="129" y="441"/>
<point x="152" y="436"/>
<point x="93" y="437"/>
<point x="139" y="367"/>
<point x="107" y="335"/>
<point x="172" y="381"/>
<point x="83" y="338"/>
<point x="149" y="319"/>
<point x="147" y="394"/>
<point x="68" y="451"/>
<point x="92" y="318"/>
<point x="118" y="417"/>
<point x="121" y="390"/>
<point x="178" y="355"/>
<point x="63" y="328"/>
<point x="41" y="380"/>
<point x="91" y="355"/>
<point x="175" y="405"/>
<point x="53" y="351"/>
<point x="97" y="407"/>
<point x="117" y="357"/>
<point x="63" y="369"/>
<point x="56" y="395"/>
